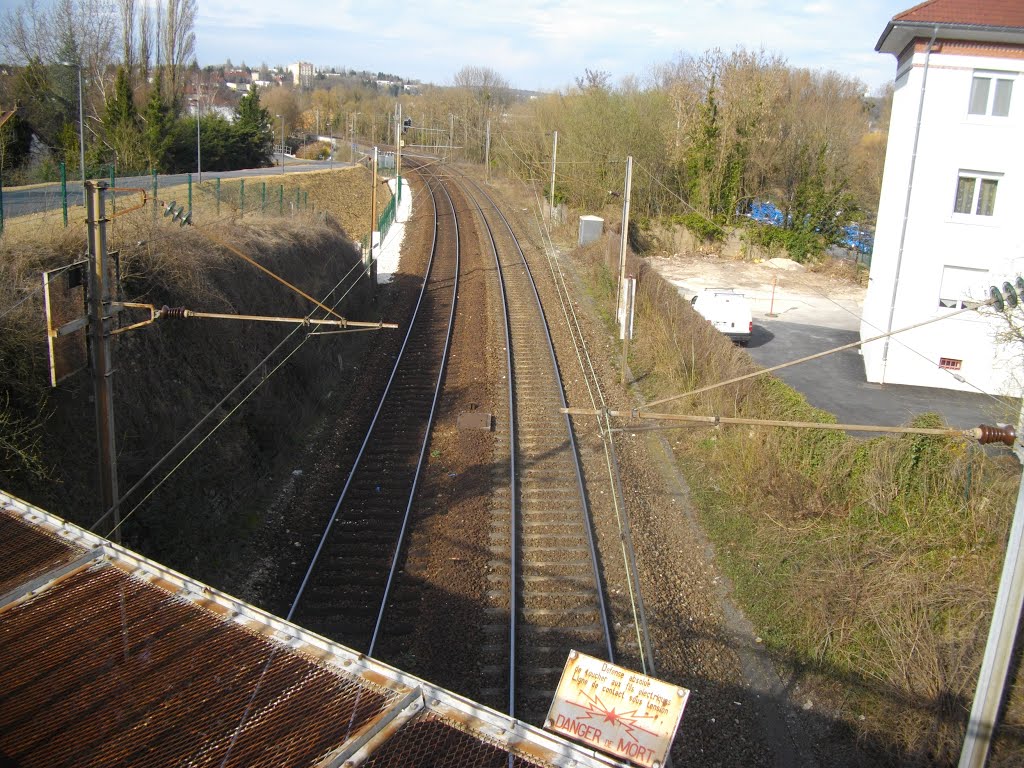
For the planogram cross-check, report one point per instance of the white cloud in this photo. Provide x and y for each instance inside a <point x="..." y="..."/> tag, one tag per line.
<point x="543" y="43"/>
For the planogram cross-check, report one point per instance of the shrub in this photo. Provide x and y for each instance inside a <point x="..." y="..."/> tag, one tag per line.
<point x="800" y="245"/>
<point x="701" y="227"/>
<point x="868" y="564"/>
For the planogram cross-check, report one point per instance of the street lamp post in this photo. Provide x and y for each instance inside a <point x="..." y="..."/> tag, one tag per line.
<point x="81" y="124"/>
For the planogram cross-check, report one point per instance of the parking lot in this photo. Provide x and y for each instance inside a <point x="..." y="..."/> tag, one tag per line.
<point x="798" y="313"/>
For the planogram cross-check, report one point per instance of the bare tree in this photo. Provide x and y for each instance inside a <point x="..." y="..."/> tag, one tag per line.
<point x="480" y="92"/>
<point x="594" y="79"/>
<point x="158" y="15"/>
<point x="146" y="41"/>
<point x="179" y="43"/>
<point x="26" y="34"/>
<point x="127" y="8"/>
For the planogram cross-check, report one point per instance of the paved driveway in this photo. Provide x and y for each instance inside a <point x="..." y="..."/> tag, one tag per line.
<point x="813" y="314"/>
<point x="836" y="383"/>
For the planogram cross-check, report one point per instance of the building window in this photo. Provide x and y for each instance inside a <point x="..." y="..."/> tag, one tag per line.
<point x="950" y="363"/>
<point x="959" y="284"/>
<point x="990" y="95"/>
<point x="975" y="194"/>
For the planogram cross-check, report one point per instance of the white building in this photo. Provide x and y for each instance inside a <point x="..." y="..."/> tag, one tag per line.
<point x="302" y="74"/>
<point x="952" y="203"/>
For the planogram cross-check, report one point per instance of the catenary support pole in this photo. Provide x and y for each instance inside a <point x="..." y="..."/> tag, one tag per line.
<point x="623" y="237"/>
<point x="487" y="153"/>
<point x="100" y="349"/>
<point x="1002" y="635"/>
<point x="373" y="200"/>
<point x="627" y="326"/>
<point x="554" y="157"/>
<point x="398" y="143"/>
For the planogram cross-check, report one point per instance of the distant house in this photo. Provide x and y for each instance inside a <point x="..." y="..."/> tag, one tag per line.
<point x="949" y="217"/>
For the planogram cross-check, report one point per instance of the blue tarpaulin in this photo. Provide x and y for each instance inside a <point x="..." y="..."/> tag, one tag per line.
<point x="853" y="236"/>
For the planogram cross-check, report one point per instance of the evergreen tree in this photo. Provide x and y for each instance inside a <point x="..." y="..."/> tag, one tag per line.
<point x="158" y="133"/>
<point x="121" y="126"/>
<point x="121" y="111"/>
<point x="253" y="131"/>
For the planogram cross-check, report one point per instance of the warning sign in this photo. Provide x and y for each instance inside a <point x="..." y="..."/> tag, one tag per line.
<point x="624" y="713"/>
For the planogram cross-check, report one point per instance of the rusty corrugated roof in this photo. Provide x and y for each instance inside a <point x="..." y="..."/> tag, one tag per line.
<point x="109" y="659"/>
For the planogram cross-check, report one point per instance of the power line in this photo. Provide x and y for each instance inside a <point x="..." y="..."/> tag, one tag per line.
<point x="223" y="400"/>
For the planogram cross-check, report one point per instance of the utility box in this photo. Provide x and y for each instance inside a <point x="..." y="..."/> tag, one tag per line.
<point x="591" y="228"/>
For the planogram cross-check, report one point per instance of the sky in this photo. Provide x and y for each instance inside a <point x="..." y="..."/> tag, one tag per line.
<point x="543" y="44"/>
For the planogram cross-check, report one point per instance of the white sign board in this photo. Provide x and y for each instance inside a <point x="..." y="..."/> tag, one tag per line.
<point x="623" y="713"/>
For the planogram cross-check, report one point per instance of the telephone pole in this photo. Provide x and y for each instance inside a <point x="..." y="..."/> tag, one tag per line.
<point x="99" y="313"/>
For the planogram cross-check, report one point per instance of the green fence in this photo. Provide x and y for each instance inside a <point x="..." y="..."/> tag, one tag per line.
<point x="387" y="217"/>
<point x="209" y="200"/>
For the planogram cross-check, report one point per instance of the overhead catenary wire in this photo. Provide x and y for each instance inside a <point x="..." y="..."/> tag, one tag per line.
<point x="174" y="449"/>
<point x="805" y="359"/>
<point x="692" y="420"/>
<point x="618" y="497"/>
<point x="611" y="461"/>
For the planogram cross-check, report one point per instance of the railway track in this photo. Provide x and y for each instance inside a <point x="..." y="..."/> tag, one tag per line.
<point x="348" y="581"/>
<point x="541" y="532"/>
<point x="543" y="592"/>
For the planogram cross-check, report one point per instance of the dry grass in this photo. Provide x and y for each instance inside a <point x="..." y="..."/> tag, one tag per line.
<point x="161" y="262"/>
<point x="874" y="562"/>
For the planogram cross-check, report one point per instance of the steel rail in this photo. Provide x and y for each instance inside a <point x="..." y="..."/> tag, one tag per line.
<point x="593" y="381"/>
<point x="513" y="505"/>
<point x="426" y="434"/>
<point x="587" y="521"/>
<point x="377" y="413"/>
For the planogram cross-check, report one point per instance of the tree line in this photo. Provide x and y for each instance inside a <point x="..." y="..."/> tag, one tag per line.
<point x="128" y="66"/>
<point x="710" y="134"/>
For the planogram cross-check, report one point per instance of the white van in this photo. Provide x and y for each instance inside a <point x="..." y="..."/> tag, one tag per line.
<point x="728" y="311"/>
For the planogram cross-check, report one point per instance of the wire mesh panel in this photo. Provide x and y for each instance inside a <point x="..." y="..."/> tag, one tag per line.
<point x="64" y="304"/>
<point x="164" y="682"/>
<point x="436" y="742"/>
<point x="29" y="552"/>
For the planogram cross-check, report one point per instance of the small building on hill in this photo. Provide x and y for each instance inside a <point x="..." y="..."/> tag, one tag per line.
<point x="952" y="193"/>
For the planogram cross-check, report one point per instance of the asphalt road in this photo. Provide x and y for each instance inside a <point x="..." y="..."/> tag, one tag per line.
<point x="18" y="201"/>
<point x="837" y="384"/>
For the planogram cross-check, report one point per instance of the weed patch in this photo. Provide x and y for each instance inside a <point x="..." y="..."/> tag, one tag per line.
<point x="871" y="564"/>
